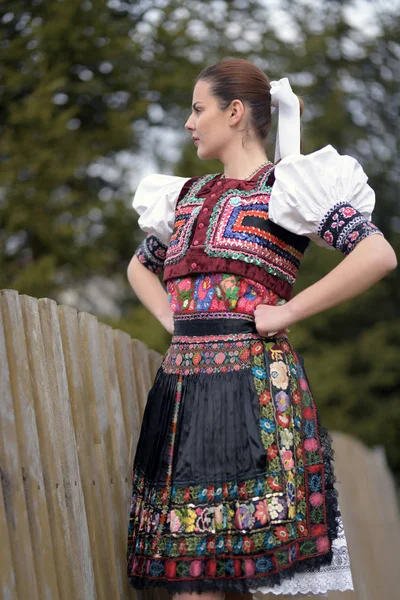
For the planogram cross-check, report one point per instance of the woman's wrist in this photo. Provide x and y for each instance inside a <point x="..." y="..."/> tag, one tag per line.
<point x="290" y="312"/>
<point x="166" y="319"/>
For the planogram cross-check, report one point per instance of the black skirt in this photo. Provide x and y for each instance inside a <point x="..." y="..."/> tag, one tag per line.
<point x="232" y="482"/>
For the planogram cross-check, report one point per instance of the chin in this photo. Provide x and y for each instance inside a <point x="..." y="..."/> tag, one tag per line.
<point x="206" y="155"/>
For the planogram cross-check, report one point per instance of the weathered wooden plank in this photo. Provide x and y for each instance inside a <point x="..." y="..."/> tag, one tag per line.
<point x="132" y="419"/>
<point x="371" y="518"/>
<point x="155" y="359"/>
<point x="84" y="418"/>
<point x="142" y="373"/>
<point x="103" y="447"/>
<point x="53" y="395"/>
<point x="9" y="464"/>
<point x="20" y="455"/>
<point x="8" y="588"/>
<point x="128" y="390"/>
<point x="118" y="453"/>
<point x="387" y="521"/>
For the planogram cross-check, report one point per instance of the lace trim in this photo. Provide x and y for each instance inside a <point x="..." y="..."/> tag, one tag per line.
<point x="337" y="576"/>
<point x="318" y="567"/>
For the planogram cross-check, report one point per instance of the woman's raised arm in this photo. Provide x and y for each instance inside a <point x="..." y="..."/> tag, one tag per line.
<point x="370" y="260"/>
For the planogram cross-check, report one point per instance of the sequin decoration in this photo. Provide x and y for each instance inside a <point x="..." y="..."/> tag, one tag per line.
<point x="186" y="212"/>
<point x="240" y="228"/>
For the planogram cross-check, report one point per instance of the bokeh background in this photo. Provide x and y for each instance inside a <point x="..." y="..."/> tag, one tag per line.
<point x="94" y="95"/>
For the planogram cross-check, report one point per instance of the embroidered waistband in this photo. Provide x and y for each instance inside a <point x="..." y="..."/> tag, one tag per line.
<point x="212" y="315"/>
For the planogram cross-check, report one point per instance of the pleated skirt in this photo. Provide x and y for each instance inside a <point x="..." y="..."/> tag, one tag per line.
<point x="233" y="480"/>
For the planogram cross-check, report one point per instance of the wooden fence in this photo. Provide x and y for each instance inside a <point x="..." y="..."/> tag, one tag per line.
<point x="72" y="395"/>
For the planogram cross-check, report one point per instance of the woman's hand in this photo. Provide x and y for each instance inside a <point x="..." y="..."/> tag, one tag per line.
<point x="271" y="319"/>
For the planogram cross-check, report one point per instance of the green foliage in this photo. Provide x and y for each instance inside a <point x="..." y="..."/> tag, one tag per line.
<point x="141" y="325"/>
<point x="67" y="103"/>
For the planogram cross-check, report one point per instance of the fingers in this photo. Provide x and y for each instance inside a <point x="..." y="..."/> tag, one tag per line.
<point x="274" y="333"/>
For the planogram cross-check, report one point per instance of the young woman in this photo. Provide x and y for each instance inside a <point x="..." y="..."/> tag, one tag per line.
<point x="232" y="479"/>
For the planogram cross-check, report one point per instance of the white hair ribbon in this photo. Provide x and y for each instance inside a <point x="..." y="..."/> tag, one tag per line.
<point x="288" y="133"/>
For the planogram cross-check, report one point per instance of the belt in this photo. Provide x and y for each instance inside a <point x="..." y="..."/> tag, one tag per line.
<point x="213" y="326"/>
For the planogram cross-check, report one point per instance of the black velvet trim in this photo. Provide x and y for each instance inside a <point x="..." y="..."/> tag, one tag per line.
<point x="343" y="227"/>
<point x="151" y="253"/>
<point x="217" y="326"/>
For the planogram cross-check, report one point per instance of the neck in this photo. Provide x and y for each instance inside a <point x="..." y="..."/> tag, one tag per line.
<point x="239" y="163"/>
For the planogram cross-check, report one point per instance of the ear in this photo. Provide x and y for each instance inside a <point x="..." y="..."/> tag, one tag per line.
<point x="236" y="112"/>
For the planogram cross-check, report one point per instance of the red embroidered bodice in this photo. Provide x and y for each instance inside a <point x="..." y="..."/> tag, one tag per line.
<point x="221" y="225"/>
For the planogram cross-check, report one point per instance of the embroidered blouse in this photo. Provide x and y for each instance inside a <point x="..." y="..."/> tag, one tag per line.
<point x="258" y="228"/>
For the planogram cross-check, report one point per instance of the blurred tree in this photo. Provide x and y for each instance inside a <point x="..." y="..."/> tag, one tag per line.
<point x="65" y="113"/>
<point x="141" y="325"/>
<point x="81" y="83"/>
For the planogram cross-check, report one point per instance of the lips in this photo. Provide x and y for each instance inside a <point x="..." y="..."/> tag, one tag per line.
<point x="195" y="139"/>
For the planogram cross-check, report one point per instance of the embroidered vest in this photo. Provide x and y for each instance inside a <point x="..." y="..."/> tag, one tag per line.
<point x="230" y="232"/>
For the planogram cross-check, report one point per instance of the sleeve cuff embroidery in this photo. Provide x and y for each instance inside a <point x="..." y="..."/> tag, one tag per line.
<point x="151" y="253"/>
<point x="343" y="227"/>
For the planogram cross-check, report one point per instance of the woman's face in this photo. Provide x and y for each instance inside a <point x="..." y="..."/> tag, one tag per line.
<point x="208" y="124"/>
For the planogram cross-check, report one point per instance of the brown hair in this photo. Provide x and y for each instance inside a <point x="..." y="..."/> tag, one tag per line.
<point x="238" y="78"/>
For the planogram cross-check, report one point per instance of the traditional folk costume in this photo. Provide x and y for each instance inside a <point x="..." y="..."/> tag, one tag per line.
<point x="233" y="481"/>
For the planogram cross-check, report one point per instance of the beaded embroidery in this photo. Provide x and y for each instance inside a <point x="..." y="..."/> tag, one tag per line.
<point x="186" y="212"/>
<point x="235" y="529"/>
<point x="238" y="229"/>
<point x="343" y="227"/>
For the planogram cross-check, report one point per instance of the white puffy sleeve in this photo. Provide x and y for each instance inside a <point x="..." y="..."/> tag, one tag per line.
<point x="324" y="196"/>
<point x="155" y="200"/>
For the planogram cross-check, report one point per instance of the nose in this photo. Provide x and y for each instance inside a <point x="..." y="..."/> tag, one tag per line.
<point x="188" y="123"/>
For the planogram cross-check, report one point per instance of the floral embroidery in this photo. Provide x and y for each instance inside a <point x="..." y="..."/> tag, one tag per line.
<point x="287" y="458"/>
<point x="216" y="292"/>
<point x="234" y="529"/>
<point x="214" y="525"/>
<point x="151" y="253"/>
<point x="282" y="401"/>
<point x="280" y="375"/>
<point x="343" y="227"/>
<point x="203" y="292"/>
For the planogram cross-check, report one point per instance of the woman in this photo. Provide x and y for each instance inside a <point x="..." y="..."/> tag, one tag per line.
<point x="232" y="479"/>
